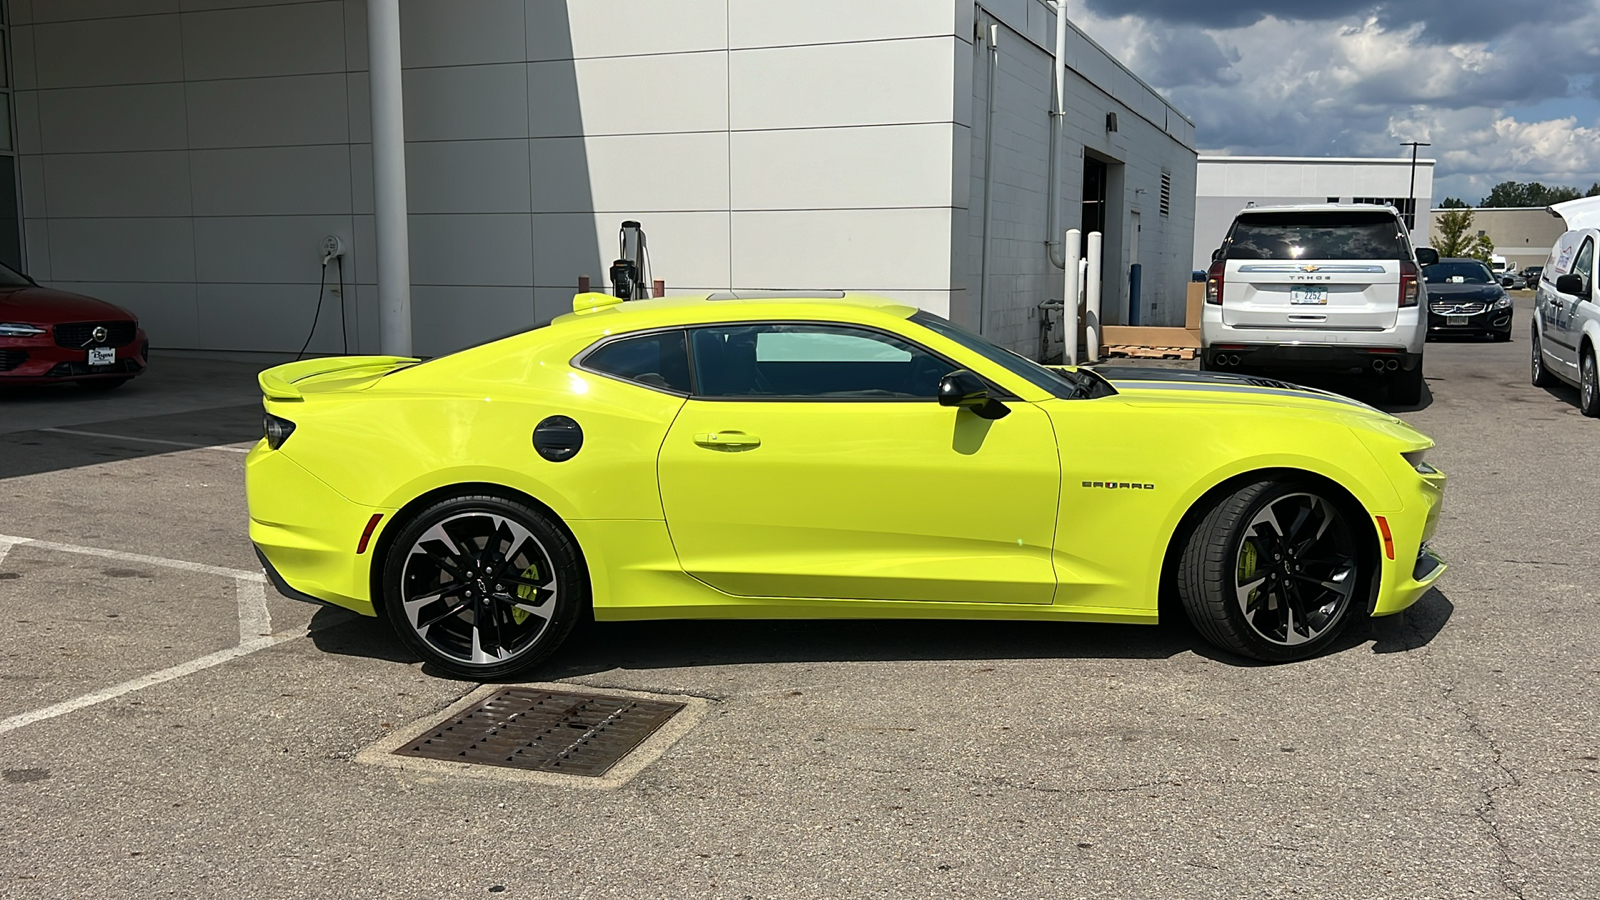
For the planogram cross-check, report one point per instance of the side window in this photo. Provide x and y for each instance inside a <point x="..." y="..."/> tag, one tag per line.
<point x="658" y="360"/>
<point x="1584" y="265"/>
<point x="818" y="361"/>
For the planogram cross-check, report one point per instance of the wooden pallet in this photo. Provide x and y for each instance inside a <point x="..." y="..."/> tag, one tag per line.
<point x="1150" y="352"/>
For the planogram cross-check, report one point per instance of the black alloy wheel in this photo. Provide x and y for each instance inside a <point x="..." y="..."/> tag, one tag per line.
<point x="1588" y="385"/>
<point x="1541" y="377"/>
<point x="1274" y="572"/>
<point x="482" y="586"/>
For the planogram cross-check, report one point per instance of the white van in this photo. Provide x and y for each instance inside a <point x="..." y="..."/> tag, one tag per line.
<point x="1566" y="317"/>
<point x="1318" y="286"/>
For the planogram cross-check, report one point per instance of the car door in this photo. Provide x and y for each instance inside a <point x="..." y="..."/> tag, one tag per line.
<point x="814" y="461"/>
<point x="1564" y="322"/>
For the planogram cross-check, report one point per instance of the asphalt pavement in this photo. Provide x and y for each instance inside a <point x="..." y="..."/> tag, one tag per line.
<point x="170" y="726"/>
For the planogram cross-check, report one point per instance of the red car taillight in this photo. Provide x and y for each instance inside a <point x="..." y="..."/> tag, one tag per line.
<point x="1408" y="284"/>
<point x="1214" y="282"/>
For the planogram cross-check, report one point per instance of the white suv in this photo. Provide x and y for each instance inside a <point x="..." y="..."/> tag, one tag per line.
<point x="1319" y="286"/>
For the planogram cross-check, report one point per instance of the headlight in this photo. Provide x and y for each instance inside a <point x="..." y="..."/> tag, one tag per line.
<point x="1415" y="458"/>
<point x="277" y="430"/>
<point x="17" y="329"/>
<point x="1503" y="302"/>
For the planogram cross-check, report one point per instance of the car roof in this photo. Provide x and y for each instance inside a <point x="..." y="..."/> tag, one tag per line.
<point x="1319" y="207"/>
<point x="722" y="306"/>
<point x="1461" y="259"/>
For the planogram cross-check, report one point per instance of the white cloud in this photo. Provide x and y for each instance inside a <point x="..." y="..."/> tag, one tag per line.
<point x="1361" y="84"/>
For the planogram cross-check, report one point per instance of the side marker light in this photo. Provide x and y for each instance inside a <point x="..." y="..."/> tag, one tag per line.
<point x="1388" y="539"/>
<point x="372" y="525"/>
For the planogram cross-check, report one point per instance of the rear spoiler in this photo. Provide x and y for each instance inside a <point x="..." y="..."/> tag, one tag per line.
<point x="277" y="383"/>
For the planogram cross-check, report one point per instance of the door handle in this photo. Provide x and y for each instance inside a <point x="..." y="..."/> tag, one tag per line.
<point x="727" y="440"/>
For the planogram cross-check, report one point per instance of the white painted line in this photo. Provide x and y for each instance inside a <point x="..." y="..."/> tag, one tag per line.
<point x="144" y="681"/>
<point x="5" y="547"/>
<point x="124" y="437"/>
<point x="255" y="620"/>
<point x="135" y="557"/>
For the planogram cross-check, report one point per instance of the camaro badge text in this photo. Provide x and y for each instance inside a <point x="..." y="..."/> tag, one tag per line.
<point x="1119" y="485"/>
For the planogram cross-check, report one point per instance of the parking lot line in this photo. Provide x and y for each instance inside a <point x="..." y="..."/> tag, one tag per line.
<point x="255" y="626"/>
<point x="142" y="440"/>
<point x="134" y="557"/>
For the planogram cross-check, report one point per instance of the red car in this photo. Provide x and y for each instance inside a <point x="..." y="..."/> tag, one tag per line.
<point x="48" y="336"/>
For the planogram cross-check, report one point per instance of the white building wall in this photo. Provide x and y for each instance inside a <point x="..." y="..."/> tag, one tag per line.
<point x="184" y="159"/>
<point x="1225" y="185"/>
<point x="1152" y="137"/>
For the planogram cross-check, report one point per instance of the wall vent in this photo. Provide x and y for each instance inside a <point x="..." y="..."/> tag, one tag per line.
<point x="1166" y="193"/>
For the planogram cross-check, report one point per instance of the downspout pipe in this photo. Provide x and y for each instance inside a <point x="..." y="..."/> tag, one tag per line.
<point x="1058" y="116"/>
<point x="389" y="177"/>
<point x="992" y="35"/>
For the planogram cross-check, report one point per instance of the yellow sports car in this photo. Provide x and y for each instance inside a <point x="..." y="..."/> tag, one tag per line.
<point x="843" y="456"/>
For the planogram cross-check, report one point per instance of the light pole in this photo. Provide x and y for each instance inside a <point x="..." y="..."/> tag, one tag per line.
<point x="1411" y="217"/>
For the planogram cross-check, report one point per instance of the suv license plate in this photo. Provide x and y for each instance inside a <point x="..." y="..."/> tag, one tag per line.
<point x="1455" y="320"/>
<point x="102" y="356"/>
<point x="1314" y="296"/>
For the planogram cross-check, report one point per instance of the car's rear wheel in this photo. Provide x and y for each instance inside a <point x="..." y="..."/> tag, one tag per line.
<point x="1541" y="376"/>
<point x="1405" y="387"/>
<point x="481" y="586"/>
<point x="1588" y="385"/>
<point x="1273" y="572"/>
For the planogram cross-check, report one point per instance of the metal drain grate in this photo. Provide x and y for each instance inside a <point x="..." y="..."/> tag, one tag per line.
<point x="546" y="731"/>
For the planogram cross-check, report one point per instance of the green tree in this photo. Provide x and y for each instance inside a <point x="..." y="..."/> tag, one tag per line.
<point x="1454" y="236"/>
<point x="1453" y="203"/>
<point x="1594" y="190"/>
<point x="1527" y="194"/>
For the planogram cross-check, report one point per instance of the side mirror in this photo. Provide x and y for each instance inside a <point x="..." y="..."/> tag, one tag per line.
<point x="1427" y="256"/>
<point x="1571" y="284"/>
<point x="964" y="390"/>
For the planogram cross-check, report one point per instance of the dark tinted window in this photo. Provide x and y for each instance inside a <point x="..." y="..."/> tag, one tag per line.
<point x="658" y="360"/>
<point x="1057" y="382"/>
<point x="1317" y="235"/>
<point x="805" y="360"/>
<point x="1457" y="273"/>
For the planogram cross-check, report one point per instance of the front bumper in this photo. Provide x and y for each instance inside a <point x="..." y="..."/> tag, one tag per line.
<point x="1490" y="321"/>
<point x="1414" y="567"/>
<point x="40" y="360"/>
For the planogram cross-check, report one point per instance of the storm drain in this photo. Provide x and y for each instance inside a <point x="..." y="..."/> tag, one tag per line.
<point x="545" y="731"/>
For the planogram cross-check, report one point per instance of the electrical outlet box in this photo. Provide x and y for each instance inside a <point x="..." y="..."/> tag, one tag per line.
<point x="331" y="248"/>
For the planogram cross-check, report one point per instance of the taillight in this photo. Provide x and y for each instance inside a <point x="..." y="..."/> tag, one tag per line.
<point x="1408" y="284"/>
<point x="1214" y="282"/>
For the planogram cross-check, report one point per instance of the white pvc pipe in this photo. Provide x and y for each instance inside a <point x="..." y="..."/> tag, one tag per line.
<point x="1091" y="335"/>
<point x="389" y="177"/>
<point x="1069" y="297"/>
<point x="1053" y="250"/>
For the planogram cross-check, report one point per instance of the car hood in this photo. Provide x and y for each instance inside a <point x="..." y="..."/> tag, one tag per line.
<point x="1185" y="387"/>
<point x="46" y="306"/>
<point x="1463" y="292"/>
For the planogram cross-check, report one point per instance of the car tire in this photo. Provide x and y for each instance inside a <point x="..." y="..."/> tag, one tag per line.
<point x="103" y="384"/>
<point x="1405" y="386"/>
<point x="1540" y="376"/>
<point x="1248" y="581"/>
<point x="1588" y="385"/>
<point x="482" y="586"/>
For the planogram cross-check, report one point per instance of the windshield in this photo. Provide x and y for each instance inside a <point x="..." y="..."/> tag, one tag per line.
<point x="1059" y="383"/>
<point x="1456" y="273"/>
<point x="1317" y="235"/>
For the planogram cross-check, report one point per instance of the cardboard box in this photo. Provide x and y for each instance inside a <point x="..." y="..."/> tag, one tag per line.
<point x="1140" y="336"/>
<point x="1197" y="298"/>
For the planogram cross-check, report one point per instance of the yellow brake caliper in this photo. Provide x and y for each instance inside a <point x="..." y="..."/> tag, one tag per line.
<point x="526" y="593"/>
<point x="1248" y="557"/>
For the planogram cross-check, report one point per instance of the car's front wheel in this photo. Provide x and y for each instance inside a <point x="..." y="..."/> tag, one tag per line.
<point x="482" y="586"/>
<point x="1273" y="571"/>
<point x="1541" y="377"/>
<point x="1588" y="385"/>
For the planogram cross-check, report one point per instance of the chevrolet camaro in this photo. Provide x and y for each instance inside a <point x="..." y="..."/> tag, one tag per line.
<point x="823" y="456"/>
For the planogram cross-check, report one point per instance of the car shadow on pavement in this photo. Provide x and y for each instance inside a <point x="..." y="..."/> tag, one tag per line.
<point x="1414" y="628"/>
<point x="95" y="443"/>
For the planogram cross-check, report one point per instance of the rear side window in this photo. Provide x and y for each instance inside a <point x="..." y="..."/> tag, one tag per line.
<point x="814" y="361"/>
<point x="1317" y="235"/>
<point x="659" y="360"/>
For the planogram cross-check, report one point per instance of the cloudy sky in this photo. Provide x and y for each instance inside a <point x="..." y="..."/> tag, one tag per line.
<point x="1506" y="90"/>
